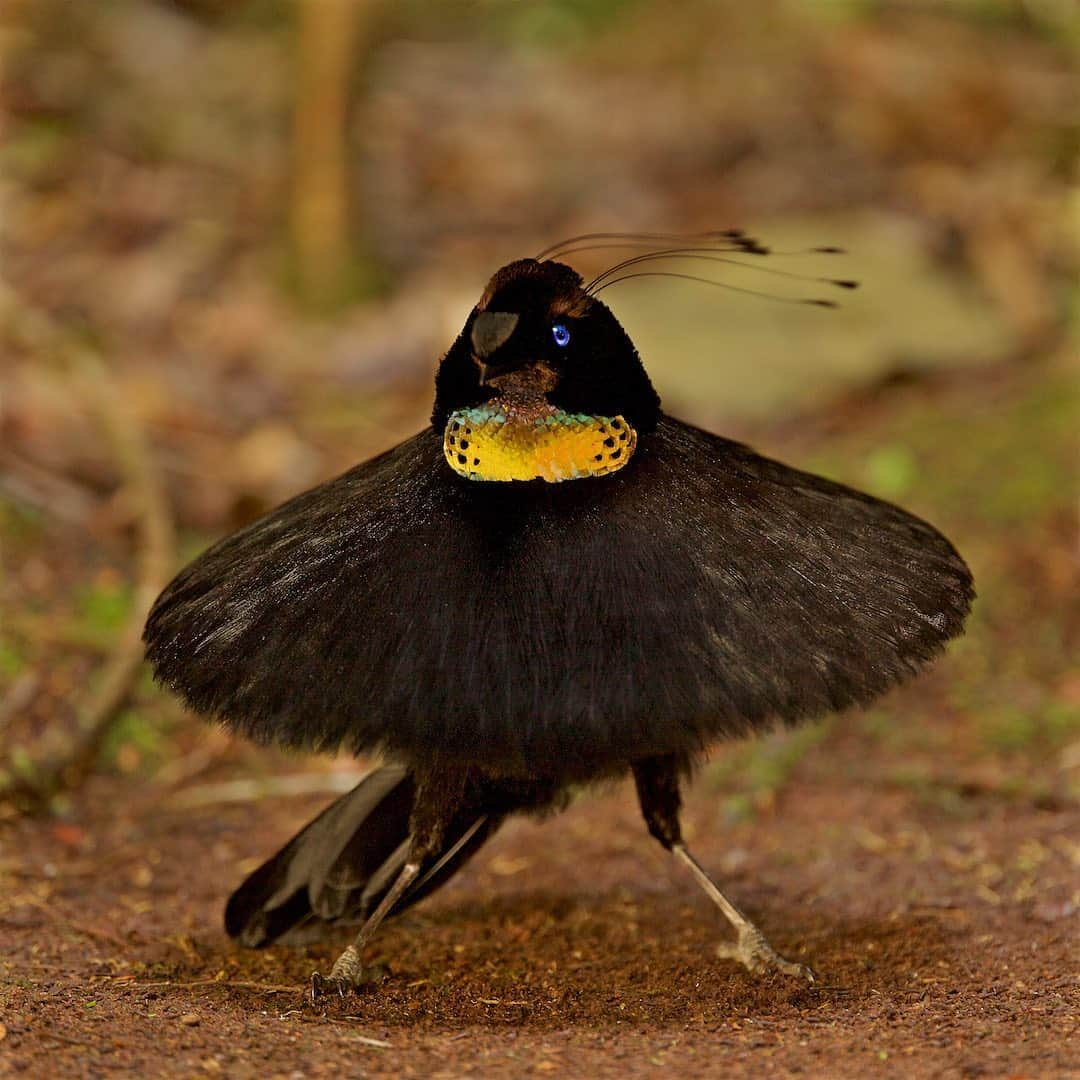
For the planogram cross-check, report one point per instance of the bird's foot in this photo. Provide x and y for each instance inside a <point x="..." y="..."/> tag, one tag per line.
<point x="347" y="974"/>
<point x="758" y="956"/>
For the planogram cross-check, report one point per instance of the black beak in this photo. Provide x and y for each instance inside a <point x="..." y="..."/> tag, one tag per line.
<point x="490" y="372"/>
<point x="491" y="329"/>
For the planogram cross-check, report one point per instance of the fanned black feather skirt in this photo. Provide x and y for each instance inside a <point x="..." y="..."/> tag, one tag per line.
<point x="702" y="591"/>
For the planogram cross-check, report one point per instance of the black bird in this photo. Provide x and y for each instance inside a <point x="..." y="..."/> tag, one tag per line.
<point x="552" y="584"/>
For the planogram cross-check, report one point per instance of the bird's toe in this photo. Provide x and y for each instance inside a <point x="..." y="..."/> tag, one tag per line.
<point x="759" y="957"/>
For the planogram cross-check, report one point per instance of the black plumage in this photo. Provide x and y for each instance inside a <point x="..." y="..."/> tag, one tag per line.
<point x="502" y="640"/>
<point x="702" y="592"/>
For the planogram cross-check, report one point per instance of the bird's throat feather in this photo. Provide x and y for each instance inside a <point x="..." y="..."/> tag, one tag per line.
<point x="504" y="440"/>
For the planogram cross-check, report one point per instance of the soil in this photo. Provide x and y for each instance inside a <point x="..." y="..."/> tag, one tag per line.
<point x="573" y="947"/>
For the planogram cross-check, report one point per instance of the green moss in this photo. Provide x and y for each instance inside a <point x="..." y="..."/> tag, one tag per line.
<point x="37" y="146"/>
<point x="554" y="24"/>
<point x="102" y="607"/>
<point x="135" y="728"/>
<point x="1045" y="726"/>
<point x="12" y="660"/>
<point x="20" y="524"/>
<point x="760" y="768"/>
<point x="994" y="464"/>
<point x="1008" y="728"/>
<point x="891" y="471"/>
<point x="21" y="763"/>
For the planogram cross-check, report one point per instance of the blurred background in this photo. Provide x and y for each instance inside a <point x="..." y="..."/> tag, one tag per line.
<point x="237" y="236"/>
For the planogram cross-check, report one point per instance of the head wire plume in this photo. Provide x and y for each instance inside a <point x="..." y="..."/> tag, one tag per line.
<point x="717" y="246"/>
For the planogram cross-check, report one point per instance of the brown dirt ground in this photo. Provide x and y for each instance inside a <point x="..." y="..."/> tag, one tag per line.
<point x="570" y="947"/>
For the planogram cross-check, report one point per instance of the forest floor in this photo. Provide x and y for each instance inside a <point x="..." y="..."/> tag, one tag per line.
<point x="921" y="856"/>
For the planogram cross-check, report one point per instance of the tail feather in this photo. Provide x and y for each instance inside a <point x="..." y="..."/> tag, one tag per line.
<point x="338" y="867"/>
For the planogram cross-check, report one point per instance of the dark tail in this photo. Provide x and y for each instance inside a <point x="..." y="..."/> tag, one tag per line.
<point x="338" y="867"/>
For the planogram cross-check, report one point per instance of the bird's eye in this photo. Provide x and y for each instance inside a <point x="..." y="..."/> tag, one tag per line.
<point x="561" y="335"/>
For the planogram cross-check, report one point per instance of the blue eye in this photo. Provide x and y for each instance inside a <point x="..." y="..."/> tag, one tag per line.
<point x="561" y="335"/>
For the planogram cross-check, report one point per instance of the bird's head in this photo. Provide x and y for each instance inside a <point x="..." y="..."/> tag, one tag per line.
<point x="542" y="383"/>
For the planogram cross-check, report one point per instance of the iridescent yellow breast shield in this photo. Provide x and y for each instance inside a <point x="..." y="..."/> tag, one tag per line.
<point x="500" y="441"/>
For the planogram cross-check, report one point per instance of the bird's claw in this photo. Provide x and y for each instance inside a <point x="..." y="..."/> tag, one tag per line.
<point x="758" y="957"/>
<point x="347" y="974"/>
<point x="325" y="985"/>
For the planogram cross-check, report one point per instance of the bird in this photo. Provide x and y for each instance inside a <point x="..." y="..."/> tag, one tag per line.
<point x="552" y="584"/>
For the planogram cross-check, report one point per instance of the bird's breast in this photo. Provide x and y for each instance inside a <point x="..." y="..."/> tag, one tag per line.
<point x="500" y="441"/>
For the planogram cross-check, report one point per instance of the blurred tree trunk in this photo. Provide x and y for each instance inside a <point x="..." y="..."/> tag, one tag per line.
<point x="330" y="35"/>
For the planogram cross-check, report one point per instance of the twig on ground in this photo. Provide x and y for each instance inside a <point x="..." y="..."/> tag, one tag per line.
<point x="29" y="483"/>
<point x="214" y="748"/>
<point x="331" y="783"/>
<point x="366" y="1040"/>
<point x="232" y="984"/>
<point x="19" y="695"/>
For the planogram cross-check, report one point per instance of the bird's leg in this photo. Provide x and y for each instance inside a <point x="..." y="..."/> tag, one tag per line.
<point x="751" y="949"/>
<point x="439" y="795"/>
<point x="657" y="781"/>
<point x="348" y="971"/>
